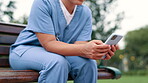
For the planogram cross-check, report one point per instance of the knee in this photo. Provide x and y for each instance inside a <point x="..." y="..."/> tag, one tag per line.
<point x="84" y="66"/>
<point x="90" y="63"/>
<point x="59" y="63"/>
<point x="62" y="62"/>
<point x="85" y="63"/>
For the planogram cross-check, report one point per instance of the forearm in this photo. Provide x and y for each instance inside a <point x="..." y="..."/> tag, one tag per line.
<point x="64" y="48"/>
<point x="80" y="42"/>
<point x="49" y="42"/>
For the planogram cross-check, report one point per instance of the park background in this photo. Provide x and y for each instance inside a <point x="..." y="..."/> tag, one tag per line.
<point x="126" y="17"/>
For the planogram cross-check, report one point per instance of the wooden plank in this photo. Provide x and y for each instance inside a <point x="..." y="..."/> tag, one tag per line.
<point x="7" y="39"/>
<point x="13" y="76"/>
<point x="4" y="50"/>
<point x="4" y="62"/>
<point x="17" y="76"/>
<point x="13" y="24"/>
<point x="11" y="28"/>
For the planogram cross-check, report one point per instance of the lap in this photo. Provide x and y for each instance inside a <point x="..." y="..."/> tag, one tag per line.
<point x="37" y="58"/>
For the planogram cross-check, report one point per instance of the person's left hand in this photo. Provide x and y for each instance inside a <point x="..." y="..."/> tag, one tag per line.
<point x="111" y="52"/>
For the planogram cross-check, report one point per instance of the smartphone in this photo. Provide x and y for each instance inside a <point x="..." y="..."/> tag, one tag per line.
<point x="113" y="40"/>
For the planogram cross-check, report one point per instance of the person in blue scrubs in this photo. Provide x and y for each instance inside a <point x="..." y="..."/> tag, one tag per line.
<point x="58" y="44"/>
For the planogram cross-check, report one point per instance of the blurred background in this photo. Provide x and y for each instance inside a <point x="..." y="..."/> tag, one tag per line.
<point x="126" y="17"/>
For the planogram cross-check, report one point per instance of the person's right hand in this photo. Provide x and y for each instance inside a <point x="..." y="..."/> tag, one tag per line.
<point x="95" y="49"/>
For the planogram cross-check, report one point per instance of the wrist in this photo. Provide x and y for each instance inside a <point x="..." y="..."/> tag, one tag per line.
<point x="82" y="50"/>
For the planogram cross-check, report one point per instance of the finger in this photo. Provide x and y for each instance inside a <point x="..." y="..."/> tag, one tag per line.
<point x="98" y="56"/>
<point x="113" y="48"/>
<point x="101" y="54"/>
<point x="111" y="53"/>
<point x="117" y="47"/>
<point x="102" y="47"/>
<point x="98" y="42"/>
<point x="107" y="57"/>
<point x="101" y="50"/>
<point x="95" y="57"/>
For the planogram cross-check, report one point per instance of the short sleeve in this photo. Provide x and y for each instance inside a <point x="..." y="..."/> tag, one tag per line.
<point x="86" y="32"/>
<point x="40" y="19"/>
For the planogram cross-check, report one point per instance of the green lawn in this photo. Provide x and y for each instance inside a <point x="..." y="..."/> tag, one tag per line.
<point x="125" y="79"/>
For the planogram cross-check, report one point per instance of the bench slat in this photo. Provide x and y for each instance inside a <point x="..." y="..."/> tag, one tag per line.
<point x="7" y="39"/>
<point x="4" y="62"/>
<point x="13" y="76"/>
<point x="10" y="28"/>
<point x="4" y="50"/>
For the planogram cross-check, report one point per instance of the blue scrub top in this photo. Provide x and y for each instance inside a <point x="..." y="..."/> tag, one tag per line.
<point x="47" y="17"/>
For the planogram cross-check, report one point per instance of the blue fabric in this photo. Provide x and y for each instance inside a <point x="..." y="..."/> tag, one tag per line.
<point x="54" y="68"/>
<point x="47" y="17"/>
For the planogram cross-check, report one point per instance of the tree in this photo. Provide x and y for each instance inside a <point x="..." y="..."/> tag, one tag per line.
<point x="102" y="25"/>
<point x="137" y="48"/>
<point x="7" y="11"/>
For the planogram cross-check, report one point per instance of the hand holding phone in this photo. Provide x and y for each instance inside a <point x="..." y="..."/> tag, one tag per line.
<point x="113" y="40"/>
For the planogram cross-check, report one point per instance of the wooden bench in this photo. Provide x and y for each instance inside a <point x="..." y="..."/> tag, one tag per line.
<point x="8" y="35"/>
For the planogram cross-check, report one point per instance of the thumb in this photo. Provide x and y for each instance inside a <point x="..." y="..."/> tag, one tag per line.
<point x="98" y="42"/>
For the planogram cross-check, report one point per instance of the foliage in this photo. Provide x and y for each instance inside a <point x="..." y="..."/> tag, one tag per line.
<point x="22" y="20"/>
<point x="7" y="11"/>
<point x="102" y="24"/>
<point x="136" y="72"/>
<point x="137" y="46"/>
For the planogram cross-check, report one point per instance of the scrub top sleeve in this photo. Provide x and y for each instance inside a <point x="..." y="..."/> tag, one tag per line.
<point x="40" y="19"/>
<point x="86" y="32"/>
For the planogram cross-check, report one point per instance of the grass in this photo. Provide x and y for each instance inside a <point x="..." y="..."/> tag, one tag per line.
<point x="125" y="79"/>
